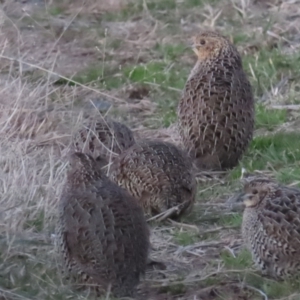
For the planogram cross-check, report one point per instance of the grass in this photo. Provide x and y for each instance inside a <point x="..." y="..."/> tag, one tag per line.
<point x="269" y="119"/>
<point x="101" y="76"/>
<point x="155" y="8"/>
<point x="161" y="77"/>
<point x="269" y="67"/>
<point x="185" y="238"/>
<point x="242" y="261"/>
<point x="170" y="52"/>
<point x="288" y="175"/>
<point x="233" y="220"/>
<point x="134" y="55"/>
<point x="162" y="74"/>
<point x="276" y="150"/>
<point x="55" y="11"/>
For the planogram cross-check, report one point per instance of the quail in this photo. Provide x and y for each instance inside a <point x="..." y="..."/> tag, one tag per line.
<point x="104" y="238"/>
<point x="271" y="226"/>
<point x="104" y="139"/>
<point x="216" y="109"/>
<point x="158" y="174"/>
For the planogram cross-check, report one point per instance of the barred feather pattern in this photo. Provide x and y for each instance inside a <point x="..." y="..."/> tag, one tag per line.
<point x="104" y="238"/>
<point x="158" y="174"/>
<point x="104" y="138"/>
<point x="271" y="227"/>
<point x="216" y="110"/>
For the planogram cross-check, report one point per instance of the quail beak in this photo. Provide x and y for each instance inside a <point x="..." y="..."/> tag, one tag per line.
<point x="241" y="197"/>
<point x="190" y="45"/>
<point x="248" y="201"/>
<point x="245" y="197"/>
<point x="235" y="198"/>
<point x="236" y="202"/>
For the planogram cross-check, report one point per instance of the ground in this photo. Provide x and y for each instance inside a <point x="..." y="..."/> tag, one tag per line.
<point x="62" y="62"/>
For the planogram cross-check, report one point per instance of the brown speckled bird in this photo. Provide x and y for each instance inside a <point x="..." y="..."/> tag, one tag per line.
<point x="104" y="138"/>
<point x="271" y="226"/>
<point x="216" y="110"/>
<point x="103" y="234"/>
<point x="158" y="174"/>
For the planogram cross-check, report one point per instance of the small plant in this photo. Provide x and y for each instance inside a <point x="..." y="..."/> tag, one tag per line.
<point x="55" y="10"/>
<point x="242" y="261"/>
<point x="185" y="238"/>
<point x="269" y="118"/>
<point x="234" y="220"/>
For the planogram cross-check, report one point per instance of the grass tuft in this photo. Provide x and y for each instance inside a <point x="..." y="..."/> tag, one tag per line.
<point x="269" y="118"/>
<point x="234" y="220"/>
<point x="269" y="67"/>
<point x="242" y="261"/>
<point x="185" y="238"/>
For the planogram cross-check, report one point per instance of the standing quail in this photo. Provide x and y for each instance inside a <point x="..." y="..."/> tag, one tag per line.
<point x="216" y="110"/>
<point x="158" y="174"/>
<point x="271" y="226"/>
<point x="103" y="234"/>
<point x="104" y="138"/>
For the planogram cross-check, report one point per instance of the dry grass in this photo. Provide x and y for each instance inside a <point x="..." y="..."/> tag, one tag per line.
<point x="62" y="64"/>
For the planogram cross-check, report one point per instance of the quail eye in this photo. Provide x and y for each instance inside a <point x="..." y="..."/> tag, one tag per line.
<point x="254" y="191"/>
<point x="202" y="42"/>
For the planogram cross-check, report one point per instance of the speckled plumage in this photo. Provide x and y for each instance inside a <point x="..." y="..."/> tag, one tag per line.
<point x="216" y="110"/>
<point x="104" y="138"/>
<point x="271" y="226"/>
<point x="103" y="233"/>
<point x="158" y="174"/>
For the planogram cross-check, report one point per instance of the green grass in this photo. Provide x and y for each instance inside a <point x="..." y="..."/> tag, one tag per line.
<point x="289" y="174"/>
<point x="100" y="75"/>
<point x="156" y="6"/>
<point x="170" y="52"/>
<point x="240" y="38"/>
<point x="185" y="238"/>
<point x="158" y="9"/>
<point x="242" y="261"/>
<point x="272" y="288"/>
<point x="161" y="5"/>
<point x="276" y="151"/>
<point x="133" y="9"/>
<point x="281" y="289"/>
<point x="279" y="152"/>
<point x="55" y="10"/>
<point x="34" y="273"/>
<point x="37" y="223"/>
<point x="34" y="278"/>
<point x="234" y="220"/>
<point x="161" y="77"/>
<point x="174" y="289"/>
<point x="269" y="118"/>
<point x="269" y="67"/>
<point x="163" y="73"/>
